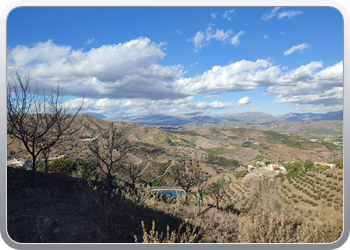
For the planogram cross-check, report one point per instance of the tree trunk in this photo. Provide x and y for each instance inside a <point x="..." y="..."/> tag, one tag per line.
<point x="46" y="165"/>
<point x="32" y="181"/>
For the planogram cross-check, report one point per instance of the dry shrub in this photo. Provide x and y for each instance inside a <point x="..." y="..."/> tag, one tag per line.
<point x="185" y="234"/>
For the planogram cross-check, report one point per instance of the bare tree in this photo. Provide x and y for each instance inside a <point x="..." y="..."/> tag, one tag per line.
<point x="217" y="191"/>
<point x="148" y="154"/>
<point x="132" y="170"/>
<point x="187" y="175"/>
<point x="110" y="151"/>
<point x="38" y="120"/>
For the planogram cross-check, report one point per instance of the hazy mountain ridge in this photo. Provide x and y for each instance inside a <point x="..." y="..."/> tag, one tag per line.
<point x="330" y="123"/>
<point x="178" y="120"/>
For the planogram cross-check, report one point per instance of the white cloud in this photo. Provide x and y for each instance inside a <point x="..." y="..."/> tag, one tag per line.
<point x="219" y="35"/>
<point x="289" y="14"/>
<point x="116" y="71"/>
<point x="179" y="32"/>
<point x="192" y="65"/>
<point x="202" y="39"/>
<point x="243" y="102"/>
<point x="266" y="36"/>
<point x="89" y="41"/>
<point x="141" y="106"/>
<point x="198" y="40"/>
<point x="130" y="71"/>
<point x="213" y="15"/>
<point x="227" y="14"/>
<point x="282" y="33"/>
<point x="271" y="14"/>
<point x="303" y="73"/>
<point x="235" y="39"/>
<point x="297" y="47"/>
<point x="305" y="87"/>
<point x="239" y="76"/>
<point x="330" y="97"/>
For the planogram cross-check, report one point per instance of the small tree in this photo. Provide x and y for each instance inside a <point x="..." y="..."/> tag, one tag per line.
<point x="309" y="164"/>
<point x="217" y="190"/>
<point x="110" y="151"/>
<point x="64" y="166"/>
<point x="133" y="170"/>
<point x="86" y="167"/>
<point x="38" y="120"/>
<point x="187" y="175"/>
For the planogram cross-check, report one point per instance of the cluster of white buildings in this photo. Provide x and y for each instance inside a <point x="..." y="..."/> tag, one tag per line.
<point x="331" y="165"/>
<point x="26" y="164"/>
<point x="275" y="167"/>
<point x="90" y="139"/>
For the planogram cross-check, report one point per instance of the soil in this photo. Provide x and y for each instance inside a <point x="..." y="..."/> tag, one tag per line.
<point x="63" y="209"/>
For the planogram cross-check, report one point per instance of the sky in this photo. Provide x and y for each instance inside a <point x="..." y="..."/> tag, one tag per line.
<point x="130" y="61"/>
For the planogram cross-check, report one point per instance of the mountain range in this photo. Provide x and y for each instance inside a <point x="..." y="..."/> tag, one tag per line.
<point x="199" y="117"/>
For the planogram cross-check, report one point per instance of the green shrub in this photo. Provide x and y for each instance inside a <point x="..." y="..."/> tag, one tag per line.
<point x="64" y="165"/>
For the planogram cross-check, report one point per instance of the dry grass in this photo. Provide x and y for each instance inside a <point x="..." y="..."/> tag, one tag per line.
<point x="116" y="215"/>
<point x="271" y="221"/>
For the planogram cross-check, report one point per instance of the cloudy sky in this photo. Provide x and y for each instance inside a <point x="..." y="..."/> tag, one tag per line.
<point x="136" y="61"/>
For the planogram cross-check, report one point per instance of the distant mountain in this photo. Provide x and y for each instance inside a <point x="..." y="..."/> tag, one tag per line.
<point x="249" y="116"/>
<point x="100" y="116"/>
<point x="201" y="118"/>
<point x="296" y="117"/>
<point x="159" y="119"/>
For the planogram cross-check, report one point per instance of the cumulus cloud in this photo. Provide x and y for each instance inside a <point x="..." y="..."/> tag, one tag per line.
<point x="202" y="39"/>
<point x="305" y="86"/>
<point x="179" y="32"/>
<point x="127" y="76"/>
<point x="227" y="14"/>
<point x="243" y="102"/>
<point x="266" y="36"/>
<point x="239" y="76"/>
<point x="115" y="71"/>
<point x="142" y="106"/>
<point x="300" y="47"/>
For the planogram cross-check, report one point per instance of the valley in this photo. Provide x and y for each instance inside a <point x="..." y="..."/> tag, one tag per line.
<point x="230" y="167"/>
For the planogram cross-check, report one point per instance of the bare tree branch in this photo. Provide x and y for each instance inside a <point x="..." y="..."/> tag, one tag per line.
<point x="39" y="121"/>
<point x="110" y="150"/>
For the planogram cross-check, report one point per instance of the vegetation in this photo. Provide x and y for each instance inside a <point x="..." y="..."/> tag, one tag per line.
<point x="110" y="151"/>
<point x="183" y="132"/>
<point x="37" y="120"/>
<point x="120" y="168"/>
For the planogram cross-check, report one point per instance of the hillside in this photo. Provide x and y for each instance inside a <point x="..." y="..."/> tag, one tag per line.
<point x="232" y="147"/>
<point x="311" y="128"/>
<point x="64" y="209"/>
<point x="70" y="205"/>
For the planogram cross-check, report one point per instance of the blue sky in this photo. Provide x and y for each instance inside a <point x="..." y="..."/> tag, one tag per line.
<point x="130" y="61"/>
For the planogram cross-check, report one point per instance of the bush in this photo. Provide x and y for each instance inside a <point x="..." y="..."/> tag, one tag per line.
<point x="64" y="166"/>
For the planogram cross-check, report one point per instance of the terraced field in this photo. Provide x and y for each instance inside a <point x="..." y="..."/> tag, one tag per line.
<point x="310" y="193"/>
